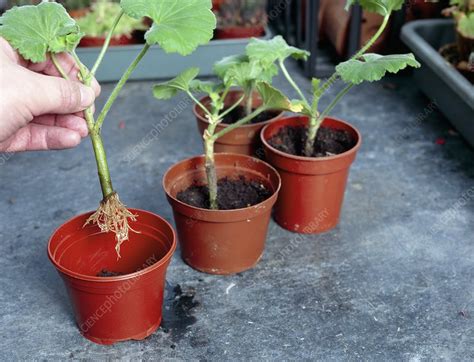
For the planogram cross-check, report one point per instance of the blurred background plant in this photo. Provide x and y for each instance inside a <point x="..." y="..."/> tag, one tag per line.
<point x="241" y="18"/>
<point x="69" y="4"/>
<point x="242" y="13"/>
<point x="100" y="19"/>
<point x="461" y="54"/>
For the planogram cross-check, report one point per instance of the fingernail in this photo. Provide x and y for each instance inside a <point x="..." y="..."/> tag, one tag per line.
<point x="87" y="96"/>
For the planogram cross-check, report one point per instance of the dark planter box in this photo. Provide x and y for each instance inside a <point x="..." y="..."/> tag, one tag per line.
<point x="440" y="81"/>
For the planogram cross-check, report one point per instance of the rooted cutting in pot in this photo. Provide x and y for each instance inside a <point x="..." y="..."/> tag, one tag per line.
<point x="360" y="68"/>
<point x="49" y="30"/>
<point x="186" y="82"/>
<point x="245" y="139"/>
<point x="222" y="241"/>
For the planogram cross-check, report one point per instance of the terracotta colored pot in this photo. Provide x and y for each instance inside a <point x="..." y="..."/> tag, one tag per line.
<point x="92" y="41"/>
<point x="119" y="308"/>
<point x="244" y="140"/>
<point x="313" y="189"/>
<point x="221" y="241"/>
<point x="216" y="4"/>
<point x="78" y="13"/>
<point x="238" y="32"/>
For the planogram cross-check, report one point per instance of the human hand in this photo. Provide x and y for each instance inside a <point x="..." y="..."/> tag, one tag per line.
<point x="38" y="109"/>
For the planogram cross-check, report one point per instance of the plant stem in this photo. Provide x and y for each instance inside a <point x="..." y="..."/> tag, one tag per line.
<point x="316" y="122"/>
<point x="58" y="66"/>
<point x="249" y="103"/>
<point x="200" y="105"/>
<point x="231" y="108"/>
<point x="118" y="88"/>
<point x="292" y="82"/>
<point x="328" y="84"/>
<point x="102" y="164"/>
<point x="210" y="164"/>
<point x="97" y="143"/>
<point x="243" y="121"/>
<point x="106" y="45"/>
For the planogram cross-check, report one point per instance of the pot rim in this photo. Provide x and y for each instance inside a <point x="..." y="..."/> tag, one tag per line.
<point x="136" y="274"/>
<point x="225" y="125"/>
<point x="215" y="212"/>
<point x="311" y="159"/>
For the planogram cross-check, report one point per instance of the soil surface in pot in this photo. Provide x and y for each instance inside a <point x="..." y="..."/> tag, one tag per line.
<point x="232" y="194"/>
<point x="104" y="273"/>
<point x="450" y="53"/>
<point x="239" y="112"/>
<point x="329" y="141"/>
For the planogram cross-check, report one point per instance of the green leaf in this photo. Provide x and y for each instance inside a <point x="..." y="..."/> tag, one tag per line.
<point x="181" y="83"/>
<point x="382" y="7"/>
<point x="274" y="99"/>
<point x="466" y="25"/>
<point x="269" y="51"/>
<point x="373" y="67"/>
<point x="222" y="66"/>
<point x="178" y="26"/>
<point x="245" y="75"/>
<point x="36" y="30"/>
<point x="200" y="86"/>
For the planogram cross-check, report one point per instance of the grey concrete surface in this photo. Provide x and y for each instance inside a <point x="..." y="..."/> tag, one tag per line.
<point x="394" y="281"/>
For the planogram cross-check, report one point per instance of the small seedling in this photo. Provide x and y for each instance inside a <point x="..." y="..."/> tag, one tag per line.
<point x="186" y="82"/>
<point x="360" y="68"/>
<point x="44" y="30"/>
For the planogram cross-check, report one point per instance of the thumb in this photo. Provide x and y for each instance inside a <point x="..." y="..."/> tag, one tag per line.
<point x="54" y="95"/>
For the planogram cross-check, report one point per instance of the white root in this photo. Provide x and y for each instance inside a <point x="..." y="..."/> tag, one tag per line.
<point x="113" y="216"/>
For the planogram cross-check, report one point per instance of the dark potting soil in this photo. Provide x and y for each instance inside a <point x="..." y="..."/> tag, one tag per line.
<point x="231" y="194"/>
<point x="329" y="141"/>
<point x="104" y="273"/>
<point x="239" y="113"/>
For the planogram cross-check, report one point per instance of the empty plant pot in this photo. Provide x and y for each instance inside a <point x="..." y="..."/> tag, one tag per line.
<point x="221" y="241"/>
<point x="127" y="304"/>
<point x="244" y="140"/>
<point x="313" y="189"/>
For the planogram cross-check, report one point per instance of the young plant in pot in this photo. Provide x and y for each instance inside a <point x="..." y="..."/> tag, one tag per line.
<point x="313" y="151"/>
<point x="241" y="19"/>
<point x="239" y="77"/>
<point x="99" y="21"/>
<point x="221" y="202"/>
<point x="461" y="53"/>
<point x="115" y="298"/>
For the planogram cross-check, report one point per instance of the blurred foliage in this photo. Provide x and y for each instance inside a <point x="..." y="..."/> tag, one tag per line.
<point x="101" y="18"/>
<point x="68" y="4"/>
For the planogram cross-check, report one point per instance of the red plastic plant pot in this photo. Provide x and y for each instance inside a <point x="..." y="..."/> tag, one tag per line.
<point x="221" y="241"/>
<point x="118" y="308"/>
<point x="244" y="140"/>
<point x="92" y="41"/>
<point x="313" y="189"/>
<point x="240" y="32"/>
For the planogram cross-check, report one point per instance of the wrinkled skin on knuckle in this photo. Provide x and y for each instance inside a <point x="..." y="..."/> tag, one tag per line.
<point x="70" y="94"/>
